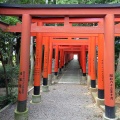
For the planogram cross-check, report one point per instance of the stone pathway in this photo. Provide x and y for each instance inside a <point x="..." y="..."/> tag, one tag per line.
<point x="72" y="73"/>
<point x="63" y="102"/>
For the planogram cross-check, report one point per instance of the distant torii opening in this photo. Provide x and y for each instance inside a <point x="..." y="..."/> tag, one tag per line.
<point x="75" y="57"/>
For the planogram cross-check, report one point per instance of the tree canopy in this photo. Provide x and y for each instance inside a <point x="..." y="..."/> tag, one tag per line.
<point x="59" y="1"/>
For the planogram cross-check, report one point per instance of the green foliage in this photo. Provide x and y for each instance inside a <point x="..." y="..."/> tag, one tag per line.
<point x="12" y="78"/>
<point x="6" y="39"/>
<point x="11" y="20"/>
<point x="67" y="1"/>
<point x="60" y="1"/>
<point x="3" y="1"/>
<point x="7" y="42"/>
<point x="23" y="1"/>
<point x="117" y="50"/>
<point x="117" y="80"/>
<point x="86" y="1"/>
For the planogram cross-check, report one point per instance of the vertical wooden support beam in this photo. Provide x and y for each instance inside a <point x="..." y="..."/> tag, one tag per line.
<point x="63" y="55"/>
<point x="89" y="64"/>
<point x="45" y="87"/>
<point x="93" y="64"/>
<point x="100" y="99"/>
<point x="81" y="67"/>
<point x="36" y="97"/>
<point x="79" y="58"/>
<point x="83" y="62"/>
<point x="50" y="64"/>
<point x="22" y="111"/>
<point x="109" y="77"/>
<point x="66" y="59"/>
<point x="56" y="61"/>
<point x="60" y="60"/>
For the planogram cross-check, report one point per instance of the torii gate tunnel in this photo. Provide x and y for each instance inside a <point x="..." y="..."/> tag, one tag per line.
<point x="66" y="40"/>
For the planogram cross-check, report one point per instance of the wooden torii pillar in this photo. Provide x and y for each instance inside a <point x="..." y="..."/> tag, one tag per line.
<point x="45" y="87"/>
<point x="83" y="53"/>
<point x="109" y="71"/>
<point x="24" y="69"/>
<point x="60" y="66"/>
<point x="100" y="97"/>
<point x="56" y="62"/>
<point x="36" y="97"/>
<point x="50" y="64"/>
<point x="93" y="64"/>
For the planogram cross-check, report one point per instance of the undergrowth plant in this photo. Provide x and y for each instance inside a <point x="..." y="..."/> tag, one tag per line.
<point x="117" y="80"/>
<point x="12" y="78"/>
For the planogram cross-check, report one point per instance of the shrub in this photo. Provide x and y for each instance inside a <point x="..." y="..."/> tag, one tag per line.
<point x="117" y="80"/>
<point x="12" y="78"/>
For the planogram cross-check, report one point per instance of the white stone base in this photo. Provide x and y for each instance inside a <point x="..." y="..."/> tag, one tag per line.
<point x="45" y="88"/>
<point x="21" y="115"/>
<point x="93" y="89"/>
<point x="36" y="99"/>
<point x="49" y="79"/>
<point x="106" y="118"/>
<point x="84" y="81"/>
<point x="84" y="78"/>
<point x="99" y="101"/>
<point x="55" y="77"/>
<point x="88" y="81"/>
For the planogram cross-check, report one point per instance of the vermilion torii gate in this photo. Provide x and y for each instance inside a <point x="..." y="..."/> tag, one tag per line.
<point x="108" y="13"/>
<point x="66" y="42"/>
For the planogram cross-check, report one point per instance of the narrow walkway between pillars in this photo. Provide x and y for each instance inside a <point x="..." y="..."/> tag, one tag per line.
<point x="63" y="102"/>
<point x="72" y="73"/>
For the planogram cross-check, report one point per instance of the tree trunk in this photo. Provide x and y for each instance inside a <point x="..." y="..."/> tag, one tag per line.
<point x="118" y="65"/>
<point x="10" y="62"/>
<point x="31" y="62"/>
<point x="17" y="49"/>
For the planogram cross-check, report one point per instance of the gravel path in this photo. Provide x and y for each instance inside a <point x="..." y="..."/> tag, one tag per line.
<point x="63" y="102"/>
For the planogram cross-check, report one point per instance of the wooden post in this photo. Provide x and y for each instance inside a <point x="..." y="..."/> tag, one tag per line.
<point x="100" y="99"/>
<point x="63" y="58"/>
<point x="93" y="63"/>
<point x="56" y="62"/>
<point x="83" y="63"/>
<point x="45" y="86"/>
<point x="50" y="64"/>
<point x="81" y="67"/>
<point x="22" y="111"/>
<point x="109" y="76"/>
<point x="89" y="65"/>
<point x="60" y="60"/>
<point x="36" y="97"/>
